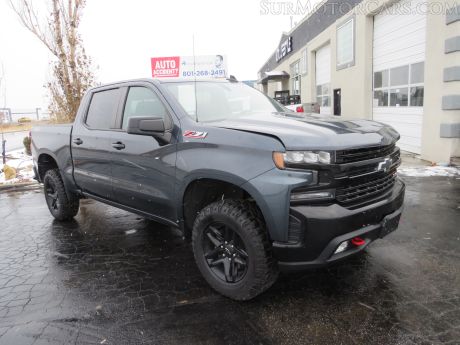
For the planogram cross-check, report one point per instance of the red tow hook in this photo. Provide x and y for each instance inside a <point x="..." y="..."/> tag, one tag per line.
<point x="358" y="242"/>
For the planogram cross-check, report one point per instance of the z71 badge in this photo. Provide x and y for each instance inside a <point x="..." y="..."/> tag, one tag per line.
<point x="195" y="135"/>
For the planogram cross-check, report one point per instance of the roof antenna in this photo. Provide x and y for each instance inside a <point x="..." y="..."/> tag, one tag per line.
<point x="194" y="76"/>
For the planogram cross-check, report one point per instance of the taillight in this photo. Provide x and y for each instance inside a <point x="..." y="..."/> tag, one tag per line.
<point x="299" y="109"/>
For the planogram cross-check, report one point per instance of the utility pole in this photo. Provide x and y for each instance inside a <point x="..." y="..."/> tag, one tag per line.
<point x="2" y="84"/>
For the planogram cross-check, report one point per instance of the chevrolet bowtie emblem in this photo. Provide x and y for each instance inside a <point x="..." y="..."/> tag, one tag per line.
<point x="385" y="165"/>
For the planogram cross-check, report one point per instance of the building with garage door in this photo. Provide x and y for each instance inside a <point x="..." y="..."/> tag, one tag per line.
<point x="396" y="62"/>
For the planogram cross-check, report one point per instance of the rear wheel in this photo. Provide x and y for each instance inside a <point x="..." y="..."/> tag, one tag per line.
<point x="232" y="250"/>
<point x="62" y="205"/>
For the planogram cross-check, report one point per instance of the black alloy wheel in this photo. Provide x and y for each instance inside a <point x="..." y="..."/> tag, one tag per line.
<point x="62" y="204"/>
<point x="225" y="253"/>
<point x="52" y="196"/>
<point x="232" y="249"/>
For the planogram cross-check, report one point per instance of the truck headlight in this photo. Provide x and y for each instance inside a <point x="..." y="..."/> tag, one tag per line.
<point x="300" y="157"/>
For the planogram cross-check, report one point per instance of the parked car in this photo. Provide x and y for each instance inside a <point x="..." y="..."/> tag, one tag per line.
<point x="258" y="189"/>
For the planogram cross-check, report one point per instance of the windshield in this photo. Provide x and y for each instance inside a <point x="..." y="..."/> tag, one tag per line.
<point x="221" y="101"/>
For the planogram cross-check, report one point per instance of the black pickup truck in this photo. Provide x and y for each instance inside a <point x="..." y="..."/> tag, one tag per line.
<point x="257" y="188"/>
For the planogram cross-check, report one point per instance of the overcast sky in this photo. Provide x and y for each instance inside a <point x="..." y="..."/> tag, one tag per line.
<point x="122" y="36"/>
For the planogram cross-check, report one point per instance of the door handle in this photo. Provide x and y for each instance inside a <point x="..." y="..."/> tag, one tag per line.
<point x="78" y="141"/>
<point x="118" y="145"/>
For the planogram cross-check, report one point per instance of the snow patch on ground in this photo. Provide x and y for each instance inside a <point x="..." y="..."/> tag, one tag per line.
<point x="23" y="165"/>
<point x="430" y="171"/>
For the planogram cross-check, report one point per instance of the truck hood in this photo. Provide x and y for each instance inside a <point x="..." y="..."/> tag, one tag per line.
<point x="301" y="132"/>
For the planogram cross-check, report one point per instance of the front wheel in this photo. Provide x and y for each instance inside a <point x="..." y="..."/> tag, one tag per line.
<point x="62" y="205"/>
<point x="232" y="250"/>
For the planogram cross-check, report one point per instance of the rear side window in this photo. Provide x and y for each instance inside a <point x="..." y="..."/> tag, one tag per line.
<point x="102" y="109"/>
<point x="142" y="101"/>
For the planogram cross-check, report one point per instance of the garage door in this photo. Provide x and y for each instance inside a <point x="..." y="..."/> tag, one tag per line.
<point x="398" y="62"/>
<point x="323" y="79"/>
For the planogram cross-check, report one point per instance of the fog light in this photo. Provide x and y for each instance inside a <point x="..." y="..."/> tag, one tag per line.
<point x="342" y="247"/>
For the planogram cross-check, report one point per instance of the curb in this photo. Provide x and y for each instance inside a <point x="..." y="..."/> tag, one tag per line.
<point x="20" y="186"/>
<point x="17" y="131"/>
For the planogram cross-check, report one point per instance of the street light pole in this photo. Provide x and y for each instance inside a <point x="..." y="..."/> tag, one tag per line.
<point x="3" y="149"/>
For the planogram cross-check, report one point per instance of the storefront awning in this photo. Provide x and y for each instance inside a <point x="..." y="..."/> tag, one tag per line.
<point x="273" y="75"/>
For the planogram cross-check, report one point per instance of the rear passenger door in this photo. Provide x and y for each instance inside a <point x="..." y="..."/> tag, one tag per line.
<point x="92" y="143"/>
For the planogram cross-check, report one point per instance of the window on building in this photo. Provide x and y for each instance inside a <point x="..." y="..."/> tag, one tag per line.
<point x="295" y="78"/>
<point x="399" y="76"/>
<point x="345" y="44"/>
<point x="381" y="79"/>
<point x="399" y="97"/>
<point x="304" y="62"/>
<point x="417" y="73"/>
<point x="323" y="97"/>
<point x="416" y="96"/>
<point x="401" y="86"/>
<point x="102" y="109"/>
<point x="381" y="98"/>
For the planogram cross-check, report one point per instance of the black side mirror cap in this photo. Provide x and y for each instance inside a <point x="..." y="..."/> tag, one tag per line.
<point x="148" y="125"/>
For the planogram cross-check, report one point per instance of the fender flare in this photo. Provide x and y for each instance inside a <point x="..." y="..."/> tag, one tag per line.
<point x="69" y="184"/>
<point x="223" y="177"/>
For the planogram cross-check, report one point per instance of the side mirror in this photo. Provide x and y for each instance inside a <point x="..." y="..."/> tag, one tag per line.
<point x="146" y="125"/>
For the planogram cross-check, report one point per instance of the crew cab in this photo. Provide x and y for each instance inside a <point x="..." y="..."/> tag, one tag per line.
<point x="256" y="187"/>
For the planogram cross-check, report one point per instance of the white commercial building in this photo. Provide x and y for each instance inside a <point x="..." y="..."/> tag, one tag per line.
<point x="396" y="62"/>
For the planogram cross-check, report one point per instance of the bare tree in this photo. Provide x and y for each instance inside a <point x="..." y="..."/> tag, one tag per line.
<point x="58" y="31"/>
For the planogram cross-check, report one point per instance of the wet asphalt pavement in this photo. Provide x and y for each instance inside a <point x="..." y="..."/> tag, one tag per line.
<point x="110" y="277"/>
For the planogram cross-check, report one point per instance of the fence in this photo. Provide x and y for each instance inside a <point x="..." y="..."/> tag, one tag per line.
<point x="7" y="115"/>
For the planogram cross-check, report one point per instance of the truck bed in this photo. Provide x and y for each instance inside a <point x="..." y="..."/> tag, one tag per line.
<point x="51" y="137"/>
<point x="54" y="141"/>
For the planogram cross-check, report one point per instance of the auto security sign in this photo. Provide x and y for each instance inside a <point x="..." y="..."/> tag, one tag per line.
<point x="189" y="67"/>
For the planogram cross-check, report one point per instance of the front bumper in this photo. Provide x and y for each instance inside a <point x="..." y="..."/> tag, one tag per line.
<point x="320" y="230"/>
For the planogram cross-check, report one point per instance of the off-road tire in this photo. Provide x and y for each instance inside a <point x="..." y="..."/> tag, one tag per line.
<point x="67" y="204"/>
<point x="246" y="220"/>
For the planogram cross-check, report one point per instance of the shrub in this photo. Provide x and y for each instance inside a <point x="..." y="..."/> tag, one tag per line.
<point x="24" y="120"/>
<point x="10" y="172"/>
<point x="27" y="142"/>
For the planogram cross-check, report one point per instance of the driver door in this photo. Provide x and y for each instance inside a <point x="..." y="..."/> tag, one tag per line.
<point x="143" y="167"/>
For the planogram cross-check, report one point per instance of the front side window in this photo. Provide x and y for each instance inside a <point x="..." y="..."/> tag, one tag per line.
<point x="214" y="101"/>
<point x="102" y="109"/>
<point x="401" y="86"/>
<point x="345" y="44"/>
<point x="142" y="101"/>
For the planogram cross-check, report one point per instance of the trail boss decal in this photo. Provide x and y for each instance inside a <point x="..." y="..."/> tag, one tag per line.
<point x="195" y="135"/>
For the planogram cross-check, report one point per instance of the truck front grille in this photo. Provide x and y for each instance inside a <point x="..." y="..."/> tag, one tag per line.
<point x="362" y="154"/>
<point x="357" y="191"/>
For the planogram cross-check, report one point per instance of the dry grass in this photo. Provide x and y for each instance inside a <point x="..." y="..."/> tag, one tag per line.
<point x="13" y="127"/>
